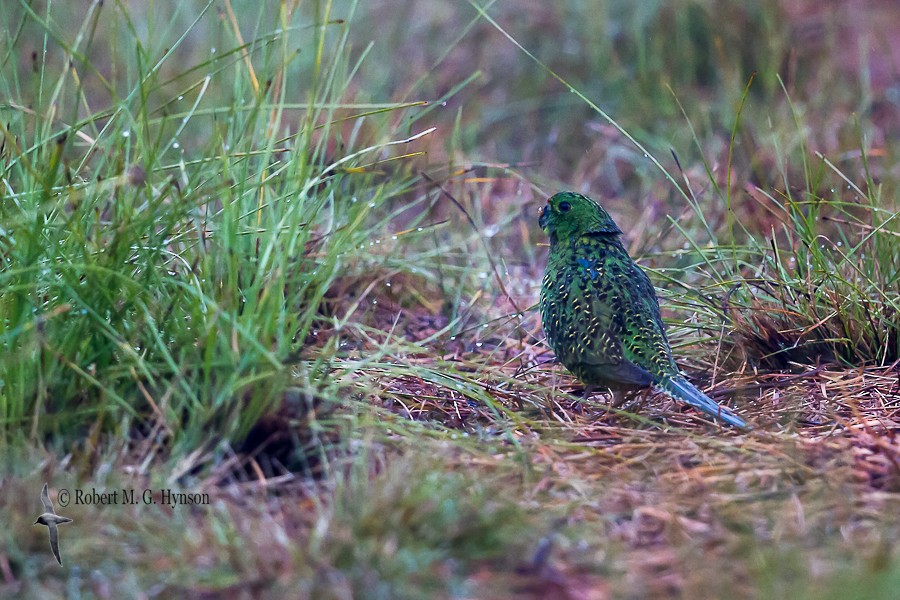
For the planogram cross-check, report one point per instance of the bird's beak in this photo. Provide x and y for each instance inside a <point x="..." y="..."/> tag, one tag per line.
<point x="542" y="219"/>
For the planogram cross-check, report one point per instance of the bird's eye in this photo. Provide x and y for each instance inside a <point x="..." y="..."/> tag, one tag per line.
<point x="564" y="206"/>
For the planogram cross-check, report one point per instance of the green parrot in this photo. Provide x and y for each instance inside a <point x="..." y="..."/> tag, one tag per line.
<point x="600" y="312"/>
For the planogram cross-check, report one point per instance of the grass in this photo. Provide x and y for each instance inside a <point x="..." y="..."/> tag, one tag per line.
<point x="246" y="254"/>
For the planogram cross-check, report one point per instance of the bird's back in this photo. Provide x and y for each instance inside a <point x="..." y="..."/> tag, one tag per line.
<point x="601" y="315"/>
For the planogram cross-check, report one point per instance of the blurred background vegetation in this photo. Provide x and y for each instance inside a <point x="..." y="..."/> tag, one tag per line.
<point x="286" y="252"/>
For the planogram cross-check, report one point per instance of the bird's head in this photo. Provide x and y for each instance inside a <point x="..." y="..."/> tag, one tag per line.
<point x="569" y="215"/>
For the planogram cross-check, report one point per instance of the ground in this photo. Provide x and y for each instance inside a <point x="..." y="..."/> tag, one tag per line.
<point x="250" y="255"/>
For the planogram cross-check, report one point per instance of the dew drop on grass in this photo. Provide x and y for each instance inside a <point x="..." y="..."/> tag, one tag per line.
<point x="176" y="145"/>
<point x="452" y="338"/>
<point x="479" y="344"/>
<point x="393" y="237"/>
<point x="212" y="50"/>
<point x="181" y="97"/>
<point x="126" y="133"/>
<point x="387" y="283"/>
<point x="444" y="103"/>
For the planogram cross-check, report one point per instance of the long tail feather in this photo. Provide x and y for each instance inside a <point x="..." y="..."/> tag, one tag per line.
<point x="681" y="389"/>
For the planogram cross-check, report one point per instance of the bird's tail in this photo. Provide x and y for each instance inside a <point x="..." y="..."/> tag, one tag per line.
<point x="681" y="389"/>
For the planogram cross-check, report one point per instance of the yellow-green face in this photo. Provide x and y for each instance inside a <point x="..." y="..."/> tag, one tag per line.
<point x="568" y="215"/>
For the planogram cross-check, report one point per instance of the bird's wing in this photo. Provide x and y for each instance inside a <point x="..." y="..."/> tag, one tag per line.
<point x="45" y="500"/>
<point x="54" y="541"/>
<point x="644" y="340"/>
<point x="604" y="304"/>
<point x="626" y="335"/>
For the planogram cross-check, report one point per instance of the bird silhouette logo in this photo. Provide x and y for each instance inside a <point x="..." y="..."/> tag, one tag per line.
<point x="51" y="520"/>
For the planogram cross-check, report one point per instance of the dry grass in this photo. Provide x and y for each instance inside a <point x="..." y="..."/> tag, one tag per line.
<point x="373" y="412"/>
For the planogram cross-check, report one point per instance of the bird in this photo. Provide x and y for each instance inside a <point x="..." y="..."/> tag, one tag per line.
<point x="51" y="520"/>
<point x="600" y="312"/>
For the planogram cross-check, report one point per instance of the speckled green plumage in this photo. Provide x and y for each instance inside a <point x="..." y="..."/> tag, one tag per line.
<point x="600" y="311"/>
